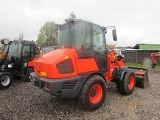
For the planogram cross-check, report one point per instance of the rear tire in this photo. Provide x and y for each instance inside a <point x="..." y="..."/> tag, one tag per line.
<point x="127" y="85"/>
<point x="5" y="81"/>
<point x="92" y="93"/>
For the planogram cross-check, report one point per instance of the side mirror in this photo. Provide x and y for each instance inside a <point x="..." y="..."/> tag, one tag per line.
<point x="114" y="34"/>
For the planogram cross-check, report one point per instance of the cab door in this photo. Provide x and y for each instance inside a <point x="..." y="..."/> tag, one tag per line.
<point x="99" y="47"/>
<point x="26" y="55"/>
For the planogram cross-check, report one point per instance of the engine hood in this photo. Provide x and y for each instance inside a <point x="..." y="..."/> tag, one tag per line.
<point x="58" y="55"/>
<point x="46" y="65"/>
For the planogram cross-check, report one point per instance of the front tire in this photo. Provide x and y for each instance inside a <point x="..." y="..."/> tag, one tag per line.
<point x="27" y="79"/>
<point x="127" y="85"/>
<point x="5" y="81"/>
<point x="92" y="93"/>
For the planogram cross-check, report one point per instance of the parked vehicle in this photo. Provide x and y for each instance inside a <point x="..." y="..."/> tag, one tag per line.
<point x="153" y="58"/>
<point x="83" y="66"/>
<point x="18" y="62"/>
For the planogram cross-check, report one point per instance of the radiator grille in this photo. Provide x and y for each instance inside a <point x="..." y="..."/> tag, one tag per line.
<point x="69" y="85"/>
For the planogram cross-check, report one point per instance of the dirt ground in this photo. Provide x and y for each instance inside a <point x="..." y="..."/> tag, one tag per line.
<point x="23" y="101"/>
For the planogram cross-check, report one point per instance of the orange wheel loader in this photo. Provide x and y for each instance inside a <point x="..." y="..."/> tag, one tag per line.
<point x="83" y="66"/>
<point x="153" y="58"/>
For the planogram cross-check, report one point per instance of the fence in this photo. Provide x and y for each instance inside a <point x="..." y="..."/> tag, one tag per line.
<point x="138" y="56"/>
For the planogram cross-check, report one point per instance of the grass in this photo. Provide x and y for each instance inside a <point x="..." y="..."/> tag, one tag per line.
<point x="134" y="64"/>
<point x="141" y="65"/>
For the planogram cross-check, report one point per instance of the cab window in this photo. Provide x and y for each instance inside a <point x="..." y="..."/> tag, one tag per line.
<point x="26" y="51"/>
<point x="98" y="39"/>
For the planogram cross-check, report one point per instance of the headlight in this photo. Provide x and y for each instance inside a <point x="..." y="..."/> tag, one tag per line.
<point x="9" y="65"/>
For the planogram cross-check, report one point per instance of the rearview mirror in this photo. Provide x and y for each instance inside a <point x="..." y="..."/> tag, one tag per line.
<point x="114" y="34"/>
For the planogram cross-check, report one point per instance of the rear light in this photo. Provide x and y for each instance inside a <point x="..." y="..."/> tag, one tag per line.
<point x="48" y="86"/>
<point x="65" y="67"/>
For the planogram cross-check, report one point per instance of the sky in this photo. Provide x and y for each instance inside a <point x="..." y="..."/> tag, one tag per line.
<point x="136" y="21"/>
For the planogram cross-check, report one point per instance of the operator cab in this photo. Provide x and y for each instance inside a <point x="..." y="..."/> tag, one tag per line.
<point x="88" y="39"/>
<point x="83" y="35"/>
<point x="21" y="52"/>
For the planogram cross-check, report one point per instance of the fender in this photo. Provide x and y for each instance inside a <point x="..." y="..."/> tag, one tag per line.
<point x="86" y="75"/>
<point x="119" y="73"/>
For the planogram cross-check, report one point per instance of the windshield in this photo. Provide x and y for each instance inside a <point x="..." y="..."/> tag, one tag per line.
<point x="14" y="50"/>
<point x="82" y="35"/>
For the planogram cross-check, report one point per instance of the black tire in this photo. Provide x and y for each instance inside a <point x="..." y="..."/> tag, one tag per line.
<point x="92" y="93"/>
<point x="153" y="65"/>
<point x="5" y="81"/>
<point x="127" y="85"/>
<point x="29" y="70"/>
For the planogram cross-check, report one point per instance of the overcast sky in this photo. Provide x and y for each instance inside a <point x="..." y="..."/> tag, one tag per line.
<point x="137" y="21"/>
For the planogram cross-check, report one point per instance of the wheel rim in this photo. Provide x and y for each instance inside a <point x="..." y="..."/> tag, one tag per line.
<point x="5" y="81"/>
<point x="95" y="93"/>
<point x="131" y="82"/>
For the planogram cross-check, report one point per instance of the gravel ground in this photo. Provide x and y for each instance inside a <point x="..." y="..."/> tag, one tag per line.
<point x="23" y="101"/>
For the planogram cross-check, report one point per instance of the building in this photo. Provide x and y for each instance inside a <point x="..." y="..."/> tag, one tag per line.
<point x="147" y="46"/>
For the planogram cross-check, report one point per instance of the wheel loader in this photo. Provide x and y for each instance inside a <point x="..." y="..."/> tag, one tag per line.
<point x="153" y="58"/>
<point x="18" y="62"/>
<point x="83" y="66"/>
